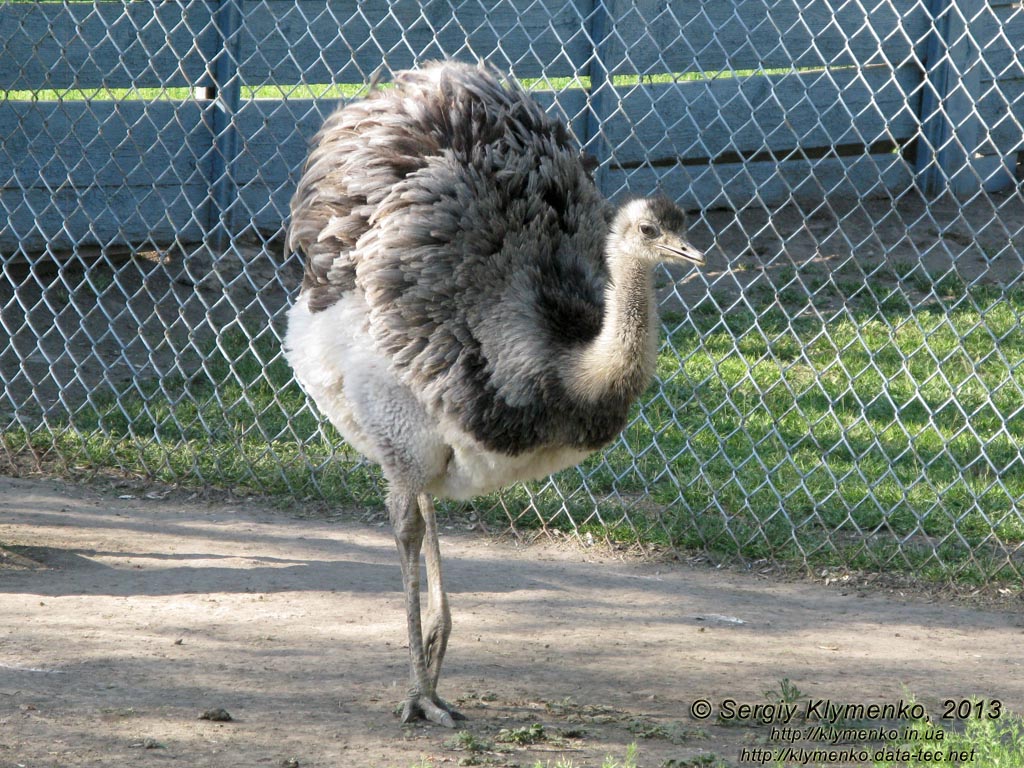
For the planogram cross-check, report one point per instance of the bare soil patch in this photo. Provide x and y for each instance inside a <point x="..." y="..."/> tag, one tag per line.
<point x="132" y="617"/>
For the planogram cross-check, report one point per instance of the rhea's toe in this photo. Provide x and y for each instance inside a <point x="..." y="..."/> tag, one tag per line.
<point x="456" y="715"/>
<point x="433" y="709"/>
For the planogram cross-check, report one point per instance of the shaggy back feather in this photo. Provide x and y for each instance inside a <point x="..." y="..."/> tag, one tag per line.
<point x="472" y="228"/>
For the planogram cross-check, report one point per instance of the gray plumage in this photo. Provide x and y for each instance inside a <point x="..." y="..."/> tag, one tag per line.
<point x="505" y="316"/>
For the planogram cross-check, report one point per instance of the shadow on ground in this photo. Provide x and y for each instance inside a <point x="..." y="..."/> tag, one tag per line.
<point x="145" y="613"/>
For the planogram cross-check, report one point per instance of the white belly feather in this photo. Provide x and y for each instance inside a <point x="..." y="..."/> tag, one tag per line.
<point x="336" y="361"/>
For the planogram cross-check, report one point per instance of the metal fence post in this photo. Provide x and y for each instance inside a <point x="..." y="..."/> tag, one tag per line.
<point x="228" y="20"/>
<point x="600" y="82"/>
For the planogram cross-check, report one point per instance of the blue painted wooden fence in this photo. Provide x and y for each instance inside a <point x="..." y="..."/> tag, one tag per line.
<point x="794" y="99"/>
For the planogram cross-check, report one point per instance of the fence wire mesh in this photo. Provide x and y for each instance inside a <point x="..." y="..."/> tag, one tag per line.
<point x="844" y="386"/>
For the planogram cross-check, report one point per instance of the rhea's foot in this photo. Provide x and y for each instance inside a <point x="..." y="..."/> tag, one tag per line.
<point x="430" y="708"/>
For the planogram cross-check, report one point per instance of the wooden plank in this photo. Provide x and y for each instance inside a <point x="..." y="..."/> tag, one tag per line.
<point x="34" y="220"/>
<point x="315" y="41"/>
<point x="652" y="36"/>
<point x="104" y="44"/>
<point x="101" y="173"/>
<point x="734" y="185"/>
<point x="997" y="173"/>
<point x="763" y="113"/>
<point x="1000" y="109"/>
<point x="264" y="205"/>
<point x="949" y="121"/>
<point x="999" y="32"/>
<point x="48" y="144"/>
<point x="973" y="107"/>
<point x="1001" y="115"/>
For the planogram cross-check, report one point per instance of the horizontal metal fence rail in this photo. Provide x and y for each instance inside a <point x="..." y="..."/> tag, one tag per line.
<point x="853" y="167"/>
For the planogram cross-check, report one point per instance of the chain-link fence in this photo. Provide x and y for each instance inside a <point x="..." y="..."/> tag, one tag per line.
<point x="843" y="386"/>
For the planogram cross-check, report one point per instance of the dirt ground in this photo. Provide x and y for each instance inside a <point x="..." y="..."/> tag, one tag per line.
<point x="123" y="620"/>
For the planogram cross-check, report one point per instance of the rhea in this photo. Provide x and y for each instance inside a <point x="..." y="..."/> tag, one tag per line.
<point x="472" y="311"/>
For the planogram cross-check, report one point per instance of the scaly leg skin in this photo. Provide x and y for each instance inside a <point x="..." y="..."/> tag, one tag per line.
<point x="439" y="617"/>
<point x="409" y="527"/>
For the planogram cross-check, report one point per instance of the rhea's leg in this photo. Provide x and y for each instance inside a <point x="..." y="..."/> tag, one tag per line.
<point x="411" y="454"/>
<point x="409" y="529"/>
<point x="439" y="619"/>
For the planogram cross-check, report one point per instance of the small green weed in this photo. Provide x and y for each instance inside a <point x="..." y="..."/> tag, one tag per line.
<point x="675" y="733"/>
<point x="523" y="736"/>
<point x="786" y="694"/>
<point x="629" y="761"/>
<point x="647" y="729"/>
<point x="468" y="742"/>
<point x="709" y="760"/>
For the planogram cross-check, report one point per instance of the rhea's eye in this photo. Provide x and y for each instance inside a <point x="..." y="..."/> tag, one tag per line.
<point x="648" y="230"/>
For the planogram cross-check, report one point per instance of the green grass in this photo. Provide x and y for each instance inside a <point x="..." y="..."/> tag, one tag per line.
<point x="239" y="422"/>
<point x="885" y="438"/>
<point x="905" y="423"/>
<point x="989" y="743"/>
<point x="983" y="743"/>
<point x="629" y="761"/>
<point x="355" y="90"/>
<point x="508" y="739"/>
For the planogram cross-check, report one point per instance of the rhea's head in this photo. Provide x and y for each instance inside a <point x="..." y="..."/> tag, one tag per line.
<point x="654" y="229"/>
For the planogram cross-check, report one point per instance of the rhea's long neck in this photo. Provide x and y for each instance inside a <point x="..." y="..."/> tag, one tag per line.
<point x="619" y="362"/>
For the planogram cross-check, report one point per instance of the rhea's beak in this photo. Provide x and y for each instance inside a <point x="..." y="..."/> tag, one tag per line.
<point x="683" y="251"/>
